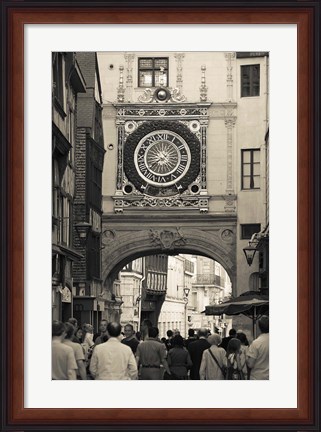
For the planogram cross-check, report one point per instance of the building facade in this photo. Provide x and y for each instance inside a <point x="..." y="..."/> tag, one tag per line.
<point x="88" y="303"/>
<point x="77" y="164"/>
<point x="67" y="84"/>
<point x="131" y="292"/>
<point x="185" y="171"/>
<point x="210" y="285"/>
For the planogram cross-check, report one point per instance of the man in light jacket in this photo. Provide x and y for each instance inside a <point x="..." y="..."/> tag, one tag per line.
<point x="113" y="360"/>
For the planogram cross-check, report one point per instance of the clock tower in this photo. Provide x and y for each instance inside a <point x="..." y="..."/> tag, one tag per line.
<point x="161" y="153"/>
<point x="185" y="170"/>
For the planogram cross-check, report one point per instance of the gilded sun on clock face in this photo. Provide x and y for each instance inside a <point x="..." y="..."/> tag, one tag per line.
<point x="162" y="158"/>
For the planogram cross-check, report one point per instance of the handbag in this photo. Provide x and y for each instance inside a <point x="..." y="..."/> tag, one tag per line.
<point x="234" y="373"/>
<point x="223" y="369"/>
<point x="237" y="375"/>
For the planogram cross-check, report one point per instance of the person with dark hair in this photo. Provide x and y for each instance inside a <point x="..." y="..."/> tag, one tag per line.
<point x="196" y="350"/>
<point x="100" y="337"/>
<point x="257" y="358"/>
<point x="244" y="347"/>
<point x="150" y="355"/>
<point x="191" y="337"/>
<point x="225" y="341"/>
<point x="63" y="361"/>
<point x="168" y="343"/>
<point x="235" y="360"/>
<point x="113" y="360"/>
<point x="130" y="339"/>
<point x="243" y="338"/>
<point x="138" y="336"/>
<point x="145" y="325"/>
<point x="178" y="359"/>
<point x="74" y="323"/>
<point x="80" y="334"/>
<point x="78" y="351"/>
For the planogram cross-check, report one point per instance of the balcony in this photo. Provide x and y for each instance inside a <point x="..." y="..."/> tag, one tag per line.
<point x="207" y="279"/>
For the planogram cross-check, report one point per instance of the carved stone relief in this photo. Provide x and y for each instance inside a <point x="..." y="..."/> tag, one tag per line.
<point x="129" y="58"/>
<point x="229" y="123"/>
<point x="168" y="239"/>
<point x="121" y="88"/>
<point x="203" y="88"/>
<point x="229" y="75"/>
<point x="179" y="70"/>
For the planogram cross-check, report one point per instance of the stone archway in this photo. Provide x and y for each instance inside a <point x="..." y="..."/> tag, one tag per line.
<point x="125" y="240"/>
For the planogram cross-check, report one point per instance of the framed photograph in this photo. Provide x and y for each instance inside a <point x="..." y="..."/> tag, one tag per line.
<point x="168" y="101"/>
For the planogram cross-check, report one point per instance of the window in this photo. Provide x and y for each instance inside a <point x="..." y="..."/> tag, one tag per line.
<point x="95" y="183"/>
<point x="65" y="212"/>
<point x="247" y="230"/>
<point x="71" y="133"/>
<point x="55" y="189"/>
<point x="94" y="260"/>
<point x="58" y="78"/>
<point x="251" y="169"/>
<point x="250" y="80"/>
<point x="152" y="72"/>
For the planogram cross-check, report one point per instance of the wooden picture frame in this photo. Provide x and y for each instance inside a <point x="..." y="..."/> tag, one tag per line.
<point x="306" y="15"/>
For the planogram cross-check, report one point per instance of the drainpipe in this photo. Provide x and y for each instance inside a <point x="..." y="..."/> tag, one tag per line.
<point x="265" y="179"/>
<point x="140" y="292"/>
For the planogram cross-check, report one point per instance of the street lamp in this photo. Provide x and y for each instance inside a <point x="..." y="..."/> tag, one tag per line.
<point x="83" y="229"/>
<point x="186" y="292"/>
<point x="250" y="250"/>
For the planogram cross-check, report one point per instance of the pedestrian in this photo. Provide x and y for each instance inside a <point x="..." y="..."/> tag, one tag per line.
<point x="89" y="335"/>
<point x="258" y="353"/>
<point x="80" y="334"/>
<point x="168" y="343"/>
<point x="63" y="362"/>
<point x="102" y="336"/>
<point x="74" y="323"/>
<point x="214" y="361"/>
<point x="235" y="360"/>
<point x="145" y="325"/>
<point x="244" y="347"/>
<point x="150" y="355"/>
<point x="196" y="349"/>
<point x="130" y="339"/>
<point x="112" y="360"/>
<point x="225" y="340"/>
<point x="78" y="351"/>
<point x="178" y="359"/>
<point x="138" y="336"/>
<point x="191" y="337"/>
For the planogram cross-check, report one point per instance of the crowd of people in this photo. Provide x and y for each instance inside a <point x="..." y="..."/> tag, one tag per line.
<point x="113" y="354"/>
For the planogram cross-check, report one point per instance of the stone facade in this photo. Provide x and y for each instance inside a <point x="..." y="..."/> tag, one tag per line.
<point x="204" y="95"/>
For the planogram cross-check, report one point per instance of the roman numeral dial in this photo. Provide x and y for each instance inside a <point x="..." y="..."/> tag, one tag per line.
<point x="162" y="158"/>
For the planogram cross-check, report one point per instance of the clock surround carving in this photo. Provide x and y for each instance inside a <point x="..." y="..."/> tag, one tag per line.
<point x="151" y="129"/>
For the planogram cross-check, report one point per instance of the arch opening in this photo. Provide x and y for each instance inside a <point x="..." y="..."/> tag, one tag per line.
<point x="170" y="290"/>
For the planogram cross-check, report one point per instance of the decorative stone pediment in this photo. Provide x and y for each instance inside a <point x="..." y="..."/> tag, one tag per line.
<point x="162" y="95"/>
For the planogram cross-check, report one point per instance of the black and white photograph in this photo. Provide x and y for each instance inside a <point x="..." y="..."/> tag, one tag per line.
<point x="160" y="215"/>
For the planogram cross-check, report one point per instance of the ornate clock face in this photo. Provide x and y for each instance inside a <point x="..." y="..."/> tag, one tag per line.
<point x="162" y="158"/>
